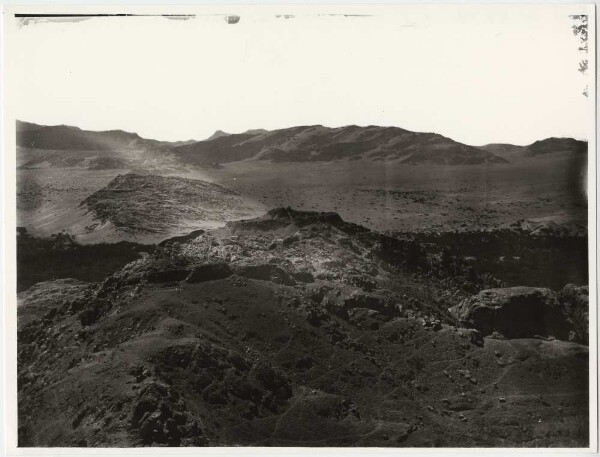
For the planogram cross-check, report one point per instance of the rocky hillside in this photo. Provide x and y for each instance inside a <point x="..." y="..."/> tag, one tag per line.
<point x="149" y="204"/>
<point x="299" y="329"/>
<point x="318" y="143"/>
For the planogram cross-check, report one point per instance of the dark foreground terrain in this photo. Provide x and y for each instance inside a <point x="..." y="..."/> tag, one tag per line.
<point x="551" y="258"/>
<point x="300" y="329"/>
<point x="59" y="256"/>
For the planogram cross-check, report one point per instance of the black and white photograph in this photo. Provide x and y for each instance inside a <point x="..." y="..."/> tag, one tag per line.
<point x="299" y="226"/>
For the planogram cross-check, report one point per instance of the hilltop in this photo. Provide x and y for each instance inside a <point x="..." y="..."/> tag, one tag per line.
<point x="221" y="133"/>
<point x="557" y="145"/>
<point x="567" y="146"/>
<point x="156" y="206"/>
<point x="217" y="134"/>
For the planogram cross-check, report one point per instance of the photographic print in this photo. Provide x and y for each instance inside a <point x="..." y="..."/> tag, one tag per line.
<point x="300" y="226"/>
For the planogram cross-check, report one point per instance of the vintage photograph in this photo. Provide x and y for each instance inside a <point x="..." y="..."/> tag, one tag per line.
<point x="301" y="226"/>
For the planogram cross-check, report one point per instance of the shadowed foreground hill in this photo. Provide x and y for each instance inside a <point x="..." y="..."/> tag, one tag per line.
<point x="298" y="329"/>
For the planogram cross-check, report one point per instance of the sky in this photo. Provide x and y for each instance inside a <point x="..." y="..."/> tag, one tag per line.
<point x="479" y="75"/>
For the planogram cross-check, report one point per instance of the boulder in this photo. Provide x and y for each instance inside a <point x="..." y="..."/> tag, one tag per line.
<point x="575" y="299"/>
<point x="515" y="312"/>
<point x="575" y="304"/>
<point x="342" y="304"/>
<point x="182" y="239"/>
<point x="363" y="281"/>
<point x="318" y="291"/>
<point x="368" y="319"/>
<point x="359" y="299"/>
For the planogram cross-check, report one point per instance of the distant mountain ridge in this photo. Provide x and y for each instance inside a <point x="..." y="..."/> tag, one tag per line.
<point x="311" y="143"/>
<point x="502" y="148"/>
<point x="318" y="143"/>
<point x="221" y="133"/>
<point x="547" y="146"/>
<point x="64" y="137"/>
<point x="557" y="145"/>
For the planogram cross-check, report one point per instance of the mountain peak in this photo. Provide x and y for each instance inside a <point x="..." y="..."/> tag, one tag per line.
<point x="217" y="134"/>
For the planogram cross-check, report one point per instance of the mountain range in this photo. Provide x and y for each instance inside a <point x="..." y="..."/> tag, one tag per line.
<point x="65" y="137"/>
<point x="540" y="147"/>
<point x="221" y="133"/>
<point x="318" y="143"/>
<point x="295" y="144"/>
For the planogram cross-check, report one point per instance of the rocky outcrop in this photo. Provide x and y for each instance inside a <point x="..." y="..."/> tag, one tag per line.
<point x="46" y="296"/>
<point x="515" y="312"/>
<point x="182" y="239"/>
<point x="159" y="417"/>
<point x="575" y="302"/>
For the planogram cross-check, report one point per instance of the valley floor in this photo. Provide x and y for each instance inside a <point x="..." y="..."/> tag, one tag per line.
<point x="380" y="195"/>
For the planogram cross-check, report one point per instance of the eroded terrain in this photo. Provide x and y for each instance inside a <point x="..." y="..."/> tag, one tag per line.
<point x="407" y="290"/>
<point x="298" y="329"/>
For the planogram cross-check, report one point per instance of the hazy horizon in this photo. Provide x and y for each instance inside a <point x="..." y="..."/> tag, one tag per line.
<point x="476" y="74"/>
<point x="283" y="128"/>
